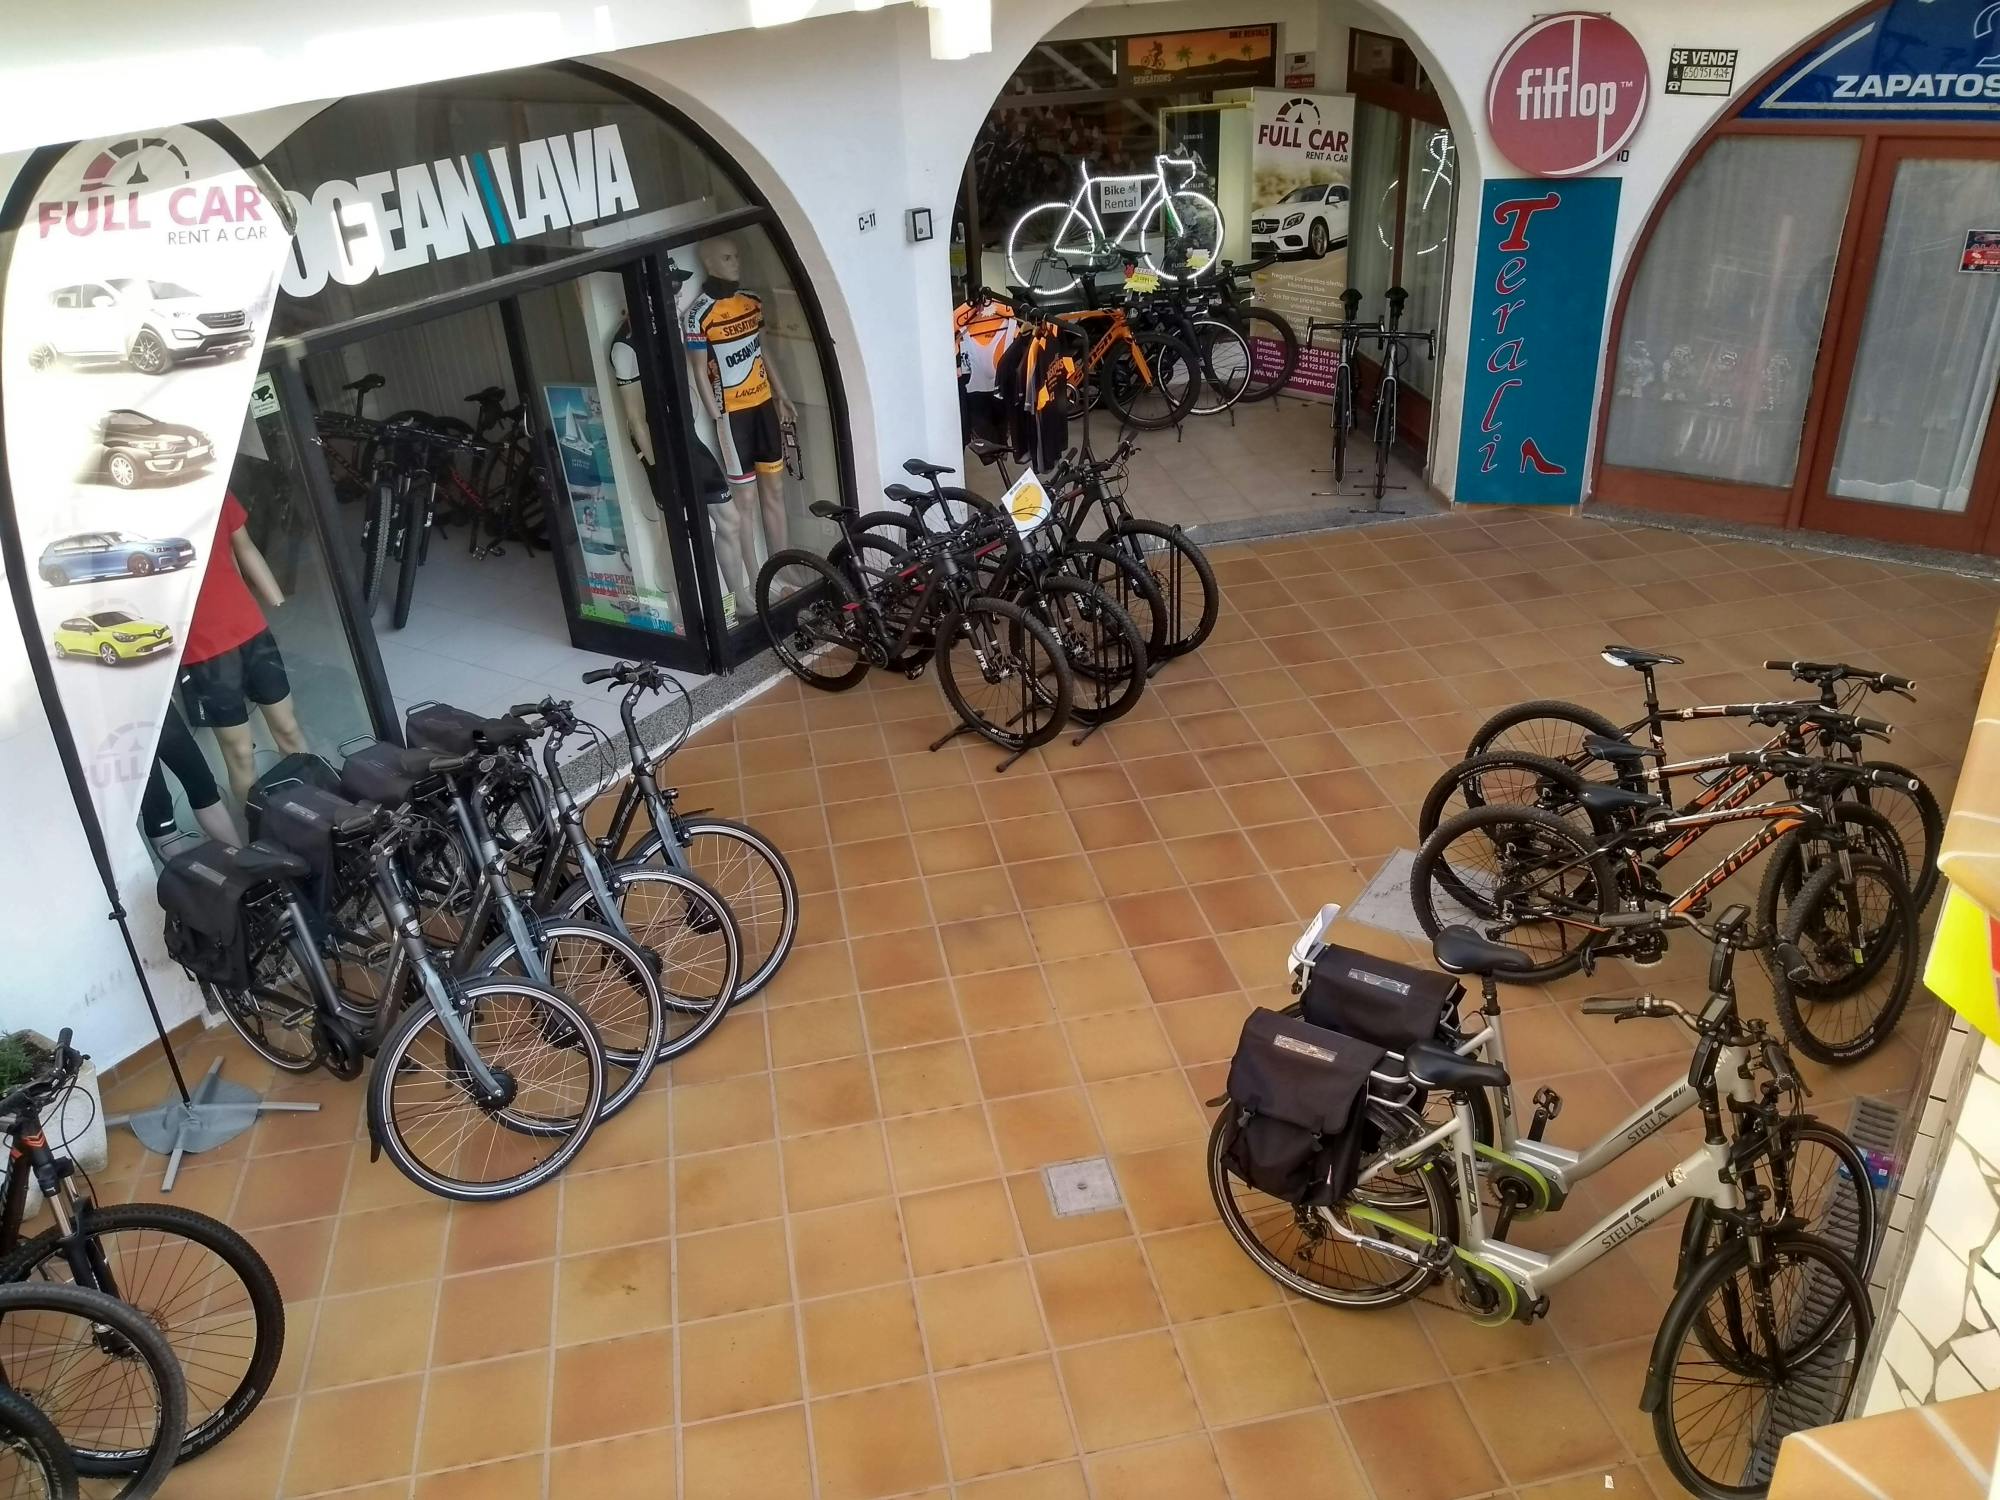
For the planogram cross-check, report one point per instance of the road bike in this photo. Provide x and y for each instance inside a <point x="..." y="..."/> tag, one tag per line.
<point x="1347" y="331"/>
<point x="1558" y="731"/>
<point x="1183" y="310"/>
<point x="201" y="1285"/>
<point x="1149" y="376"/>
<point x="1274" y="343"/>
<point x="1051" y="243"/>
<point x="1766" y="1329"/>
<point x="740" y="864"/>
<point x="1394" y="343"/>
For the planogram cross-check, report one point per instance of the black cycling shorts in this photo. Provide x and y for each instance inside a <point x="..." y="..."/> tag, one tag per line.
<point x="218" y="692"/>
<point x="760" y="441"/>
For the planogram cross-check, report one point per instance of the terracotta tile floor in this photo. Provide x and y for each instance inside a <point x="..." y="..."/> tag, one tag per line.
<point x="818" y="1260"/>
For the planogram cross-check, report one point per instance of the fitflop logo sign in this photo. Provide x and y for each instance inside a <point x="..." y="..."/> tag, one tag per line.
<point x="389" y="221"/>
<point x="1567" y="94"/>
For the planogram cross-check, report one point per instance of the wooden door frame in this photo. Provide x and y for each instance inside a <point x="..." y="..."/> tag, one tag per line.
<point x="1814" y="505"/>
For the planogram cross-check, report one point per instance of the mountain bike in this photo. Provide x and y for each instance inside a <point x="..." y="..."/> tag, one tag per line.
<point x="1001" y="669"/>
<point x="194" y="1279"/>
<point x="1052" y="241"/>
<point x="35" y="1463"/>
<point x="1347" y="331"/>
<point x="1763" y="1336"/>
<point x="347" y="439"/>
<point x="1558" y="730"/>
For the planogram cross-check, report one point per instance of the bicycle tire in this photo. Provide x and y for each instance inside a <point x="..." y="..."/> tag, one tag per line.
<point x="1106" y="656"/>
<point x="247" y="1012"/>
<point x="1922" y="804"/>
<point x="416" y="532"/>
<point x="559" y="1023"/>
<point x="1023" y="637"/>
<point x="1223" y="391"/>
<point x="1061" y="280"/>
<point x="1341" y="416"/>
<point x="375" y="540"/>
<point x="1703" y="1233"/>
<point x="753" y="879"/>
<point x="41" y="1460"/>
<point x="837" y="616"/>
<point x="1121" y="379"/>
<point x="1819" y="891"/>
<point x="1557" y="744"/>
<point x="140" y="1344"/>
<point x="1148" y="543"/>
<point x="186" y="1312"/>
<point x="1474" y="780"/>
<point x="631" y="1034"/>
<point x="1799" y="853"/>
<point x="1384" y="432"/>
<point x="1595" y="886"/>
<point x="1131" y="587"/>
<point x="668" y="911"/>
<point x="1687" y="1317"/>
<point x="1256" y="323"/>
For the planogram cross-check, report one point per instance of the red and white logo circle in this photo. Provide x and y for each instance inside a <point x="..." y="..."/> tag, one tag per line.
<point x="1567" y="94"/>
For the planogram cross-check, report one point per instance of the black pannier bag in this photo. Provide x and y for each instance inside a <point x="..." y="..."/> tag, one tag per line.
<point x="202" y="893"/>
<point x="1376" y="1000"/>
<point x="306" y="820"/>
<point x="1298" y="1101"/>
<point x="458" y="731"/>
<point x="302" y="768"/>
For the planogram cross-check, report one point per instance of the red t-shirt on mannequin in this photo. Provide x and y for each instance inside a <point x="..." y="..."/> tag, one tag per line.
<point x="226" y="613"/>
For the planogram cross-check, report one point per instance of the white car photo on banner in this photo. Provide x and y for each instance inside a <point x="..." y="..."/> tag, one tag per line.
<point x="137" y="296"/>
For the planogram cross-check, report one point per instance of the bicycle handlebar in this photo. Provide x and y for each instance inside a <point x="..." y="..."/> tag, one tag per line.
<point x="1829" y="672"/>
<point x="64" y="1063"/>
<point x="1809" y="766"/>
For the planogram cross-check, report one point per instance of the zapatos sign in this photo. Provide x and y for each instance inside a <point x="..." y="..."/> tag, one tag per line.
<point x="384" y="222"/>
<point x="1567" y="94"/>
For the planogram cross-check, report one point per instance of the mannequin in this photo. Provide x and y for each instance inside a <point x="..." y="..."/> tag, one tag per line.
<point x="737" y="381"/>
<point x="179" y="754"/>
<point x="232" y="659"/>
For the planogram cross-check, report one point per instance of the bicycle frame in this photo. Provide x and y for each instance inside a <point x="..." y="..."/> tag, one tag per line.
<point x="1084" y="202"/>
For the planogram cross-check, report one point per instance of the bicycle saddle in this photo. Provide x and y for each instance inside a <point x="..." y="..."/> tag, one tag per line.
<point x="365" y="384"/>
<point x="455" y="731"/>
<point x="988" y="452"/>
<point x="1637" y="660"/>
<point x="924" y="470"/>
<point x="1461" y="950"/>
<point x="390" y="774"/>
<point x="492" y="393"/>
<point x="1435" y="1067"/>
<point x="1617" y="752"/>
<point x="904" y="493"/>
<point x="1605" y="800"/>
<point x="828" y="510"/>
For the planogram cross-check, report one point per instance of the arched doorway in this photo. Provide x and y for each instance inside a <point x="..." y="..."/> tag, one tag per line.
<point x="1809" y="334"/>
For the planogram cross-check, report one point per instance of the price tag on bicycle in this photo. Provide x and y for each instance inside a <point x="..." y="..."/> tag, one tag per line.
<point x="1142" y="281"/>
<point x="1028" y="503"/>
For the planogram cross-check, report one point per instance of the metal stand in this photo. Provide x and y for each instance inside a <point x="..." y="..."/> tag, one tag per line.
<point x="962" y="728"/>
<point x="215" y="1112"/>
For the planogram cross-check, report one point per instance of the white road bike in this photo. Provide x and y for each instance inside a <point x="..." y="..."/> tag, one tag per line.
<point x="1052" y="242"/>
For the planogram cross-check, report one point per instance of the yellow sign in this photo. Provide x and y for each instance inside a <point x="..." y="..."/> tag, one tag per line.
<point x="1028" y="503"/>
<point x="1149" y="281"/>
<point x="1961" y="970"/>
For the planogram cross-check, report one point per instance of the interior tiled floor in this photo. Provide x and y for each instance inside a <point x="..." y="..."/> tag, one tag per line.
<point x="819" y="1260"/>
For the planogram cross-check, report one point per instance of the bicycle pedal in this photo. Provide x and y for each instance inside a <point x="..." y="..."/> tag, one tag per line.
<point x="1644" y="960"/>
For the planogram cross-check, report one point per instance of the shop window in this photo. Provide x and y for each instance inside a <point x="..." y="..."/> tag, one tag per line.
<point x="1716" y="355"/>
<point x="1371" y="255"/>
<point x="1065" y="67"/>
<point x="1432" y="174"/>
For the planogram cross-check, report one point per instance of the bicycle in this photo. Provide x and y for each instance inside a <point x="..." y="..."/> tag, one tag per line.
<point x="351" y="469"/>
<point x="1274" y="343"/>
<point x="1061" y="233"/>
<point x="35" y="1463"/>
<point x="1409" y="1200"/>
<point x="194" y="1279"/>
<point x="420" y="449"/>
<point x="1348" y="332"/>
<point x="743" y="866"/>
<point x="1394" y="344"/>
<point x="1558" y="730"/>
<point x="509" y="501"/>
<point x="829" y="635"/>
<point x="1182" y="310"/>
<point x="504" y="1076"/>
<point x="1148" y="377"/>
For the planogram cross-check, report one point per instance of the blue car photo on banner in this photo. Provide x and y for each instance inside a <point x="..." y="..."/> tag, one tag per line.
<point x="1538" y="307"/>
<point x="1917" y="60"/>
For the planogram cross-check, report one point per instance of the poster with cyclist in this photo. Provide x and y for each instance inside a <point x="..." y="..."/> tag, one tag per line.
<point x="137" y="296"/>
<point x="1301" y="195"/>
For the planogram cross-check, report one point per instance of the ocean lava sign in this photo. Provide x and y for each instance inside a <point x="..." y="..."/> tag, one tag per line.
<point x="1567" y="94"/>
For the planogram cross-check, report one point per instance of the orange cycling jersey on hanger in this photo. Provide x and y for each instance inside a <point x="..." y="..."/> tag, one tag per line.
<point x="985" y="331"/>
<point x="731" y="328"/>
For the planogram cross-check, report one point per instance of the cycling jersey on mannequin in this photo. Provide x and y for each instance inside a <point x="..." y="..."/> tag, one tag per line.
<point x="729" y="323"/>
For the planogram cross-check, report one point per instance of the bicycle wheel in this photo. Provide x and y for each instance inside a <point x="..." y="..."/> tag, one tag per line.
<point x="1131" y="588"/>
<point x="1101" y="645"/>
<point x="1225" y="366"/>
<point x="1505" y="779"/>
<point x="613" y="983"/>
<point x="276" y="1016"/>
<point x="425" y="1114"/>
<point x="824" y="644"/>
<point x="1150" y="380"/>
<point x="196" y="1280"/>
<point x="1303" y="1248"/>
<point x="1195" y="225"/>
<point x="416" y="533"/>
<point x="1181" y="573"/>
<point x="1550" y="727"/>
<point x="1341" y="415"/>
<point x="1793" y="862"/>
<point x="375" y="539"/>
<point x="1522" y="876"/>
<point x="746" y="870"/>
<point x="693" y="932"/>
<point x="1045" y="246"/>
<point x="1866" y="925"/>
<point x="105" y="1377"/>
<point x="1798" y="1322"/>
<point x="35" y="1464"/>
<point x="1003" y="674"/>
<point x="1918" y="822"/>
<point x="1274" y="351"/>
<point x="1384" y="432"/>
<point x="1821" y="1179"/>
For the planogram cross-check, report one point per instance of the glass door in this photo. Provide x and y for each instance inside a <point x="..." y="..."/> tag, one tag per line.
<point x="1907" y="450"/>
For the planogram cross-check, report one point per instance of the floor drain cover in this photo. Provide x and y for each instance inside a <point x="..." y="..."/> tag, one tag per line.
<point x="1080" y="1187"/>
